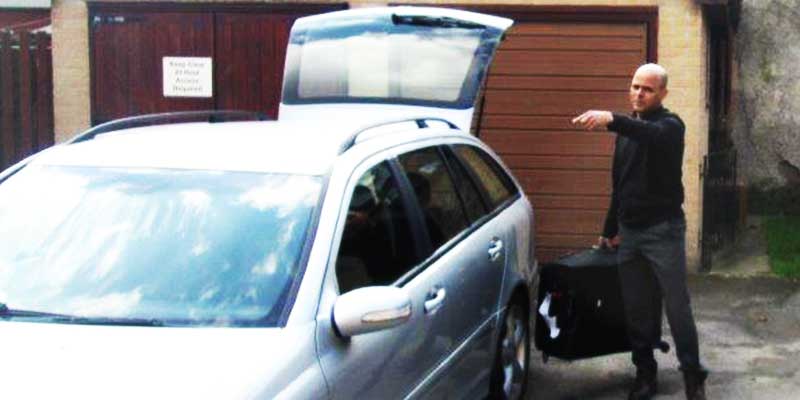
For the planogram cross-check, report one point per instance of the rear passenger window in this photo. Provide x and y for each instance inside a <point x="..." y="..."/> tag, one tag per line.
<point x="470" y="194"/>
<point x="377" y="247"/>
<point x="497" y="184"/>
<point x="436" y="194"/>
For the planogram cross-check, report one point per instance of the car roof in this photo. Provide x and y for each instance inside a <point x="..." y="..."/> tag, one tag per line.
<point x="306" y="148"/>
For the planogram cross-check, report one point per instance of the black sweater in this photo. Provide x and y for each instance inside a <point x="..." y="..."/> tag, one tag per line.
<point x="646" y="174"/>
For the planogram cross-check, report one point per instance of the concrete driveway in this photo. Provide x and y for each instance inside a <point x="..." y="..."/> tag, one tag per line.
<point x="749" y="331"/>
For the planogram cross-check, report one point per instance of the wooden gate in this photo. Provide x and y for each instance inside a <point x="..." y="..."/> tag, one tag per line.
<point x="244" y="44"/>
<point x="26" y="94"/>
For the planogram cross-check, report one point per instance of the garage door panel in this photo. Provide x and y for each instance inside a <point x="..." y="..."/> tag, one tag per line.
<point x="564" y="182"/>
<point x="566" y="63"/>
<point x="545" y="74"/>
<point x="570" y="202"/>
<point x="526" y="161"/>
<point x="252" y="74"/>
<point x="550" y="143"/>
<point x="580" y="222"/>
<point x="581" y="29"/>
<point x="550" y="123"/>
<point x="127" y="61"/>
<point x="609" y="44"/>
<point x="528" y="102"/>
<point x="246" y="44"/>
<point x="563" y="83"/>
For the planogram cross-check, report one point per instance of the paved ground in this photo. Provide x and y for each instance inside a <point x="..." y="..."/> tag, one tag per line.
<point x="749" y="327"/>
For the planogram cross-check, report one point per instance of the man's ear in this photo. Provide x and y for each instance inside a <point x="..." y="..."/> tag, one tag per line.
<point x="664" y="93"/>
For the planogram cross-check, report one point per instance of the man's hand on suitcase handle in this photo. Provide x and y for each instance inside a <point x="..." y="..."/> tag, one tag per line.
<point x="604" y="243"/>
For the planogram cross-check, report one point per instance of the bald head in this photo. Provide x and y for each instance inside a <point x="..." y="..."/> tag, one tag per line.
<point x="656" y="70"/>
<point x="648" y="88"/>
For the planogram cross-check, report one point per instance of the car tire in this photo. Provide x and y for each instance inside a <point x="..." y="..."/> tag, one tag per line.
<point x="509" y="377"/>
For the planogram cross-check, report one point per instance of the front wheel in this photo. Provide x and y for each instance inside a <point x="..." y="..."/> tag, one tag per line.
<point x="510" y="370"/>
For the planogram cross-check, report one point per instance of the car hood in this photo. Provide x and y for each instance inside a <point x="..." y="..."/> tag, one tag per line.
<point x="43" y="360"/>
<point x="431" y="60"/>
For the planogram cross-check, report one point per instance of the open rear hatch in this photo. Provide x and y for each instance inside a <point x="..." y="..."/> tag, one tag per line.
<point x="371" y="64"/>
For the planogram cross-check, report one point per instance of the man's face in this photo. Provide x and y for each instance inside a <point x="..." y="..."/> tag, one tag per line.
<point x="646" y="92"/>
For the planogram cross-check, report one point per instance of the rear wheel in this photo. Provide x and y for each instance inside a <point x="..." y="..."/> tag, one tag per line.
<point x="510" y="371"/>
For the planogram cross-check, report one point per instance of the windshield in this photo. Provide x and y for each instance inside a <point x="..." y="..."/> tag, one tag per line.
<point x="388" y="59"/>
<point x="182" y="247"/>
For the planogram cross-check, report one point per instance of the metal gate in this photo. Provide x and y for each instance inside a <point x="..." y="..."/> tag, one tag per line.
<point x="720" y="203"/>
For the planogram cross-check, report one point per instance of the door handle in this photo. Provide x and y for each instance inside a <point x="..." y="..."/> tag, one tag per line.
<point x="434" y="300"/>
<point x="495" y="248"/>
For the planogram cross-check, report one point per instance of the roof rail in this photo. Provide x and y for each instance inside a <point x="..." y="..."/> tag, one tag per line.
<point x="422" y="123"/>
<point x="210" y="116"/>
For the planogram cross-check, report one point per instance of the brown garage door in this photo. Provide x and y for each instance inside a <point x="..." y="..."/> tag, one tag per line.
<point x="246" y="44"/>
<point x="545" y="73"/>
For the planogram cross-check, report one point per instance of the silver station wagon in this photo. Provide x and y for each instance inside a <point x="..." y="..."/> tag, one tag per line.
<point x="363" y="246"/>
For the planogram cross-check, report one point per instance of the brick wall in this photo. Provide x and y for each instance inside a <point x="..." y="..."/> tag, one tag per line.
<point x="681" y="49"/>
<point x="71" y="89"/>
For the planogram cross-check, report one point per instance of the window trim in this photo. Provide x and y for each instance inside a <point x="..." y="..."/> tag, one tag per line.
<point x="305" y="253"/>
<point x="419" y="232"/>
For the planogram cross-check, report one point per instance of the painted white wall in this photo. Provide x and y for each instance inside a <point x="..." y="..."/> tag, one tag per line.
<point x="25" y="3"/>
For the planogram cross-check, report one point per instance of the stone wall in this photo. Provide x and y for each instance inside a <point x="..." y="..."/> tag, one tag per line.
<point x="766" y="118"/>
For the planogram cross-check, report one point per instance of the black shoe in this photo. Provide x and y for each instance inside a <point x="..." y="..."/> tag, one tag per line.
<point x="694" y="382"/>
<point x="645" y="386"/>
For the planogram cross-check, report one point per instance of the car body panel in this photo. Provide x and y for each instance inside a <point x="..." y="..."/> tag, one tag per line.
<point x="43" y="360"/>
<point x="273" y="147"/>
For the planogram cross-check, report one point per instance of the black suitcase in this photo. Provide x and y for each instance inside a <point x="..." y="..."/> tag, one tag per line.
<point x="580" y="312"/>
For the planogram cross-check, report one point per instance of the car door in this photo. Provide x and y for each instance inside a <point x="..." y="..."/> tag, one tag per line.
<point x="377" y="246"/>
<point x="468" y="256"/>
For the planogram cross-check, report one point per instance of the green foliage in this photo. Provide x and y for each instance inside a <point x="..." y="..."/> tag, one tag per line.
<point x="783" y="245"/>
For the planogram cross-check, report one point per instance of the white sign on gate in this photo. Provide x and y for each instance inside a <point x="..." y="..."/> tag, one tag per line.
<point x="187" y="76"/>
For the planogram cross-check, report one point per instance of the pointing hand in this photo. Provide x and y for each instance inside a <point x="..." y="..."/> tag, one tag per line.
<point x="594" y="120"/>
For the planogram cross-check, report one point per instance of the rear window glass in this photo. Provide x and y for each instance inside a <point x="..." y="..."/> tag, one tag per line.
<point x="466" y="188"/>
<point x="373" y="60"/>
<point x="497" y="184"/>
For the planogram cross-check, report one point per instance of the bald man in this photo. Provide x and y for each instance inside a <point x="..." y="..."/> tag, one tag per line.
<point x="646" y="223"/>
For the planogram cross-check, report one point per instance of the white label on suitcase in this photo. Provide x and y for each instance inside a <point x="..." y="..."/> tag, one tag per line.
<point x="544" y="310"/>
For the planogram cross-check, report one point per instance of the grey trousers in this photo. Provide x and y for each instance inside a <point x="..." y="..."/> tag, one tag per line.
<point x="653" y="269"/>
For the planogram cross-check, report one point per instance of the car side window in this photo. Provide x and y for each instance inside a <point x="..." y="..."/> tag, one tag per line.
<point x="436" y="194"/>
<point x="497" y="184"/>
<point x="377" y="247"/>
<point x="470" y="195"/>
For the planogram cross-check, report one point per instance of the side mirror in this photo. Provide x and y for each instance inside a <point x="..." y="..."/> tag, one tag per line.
<point x="370" y="309"/>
